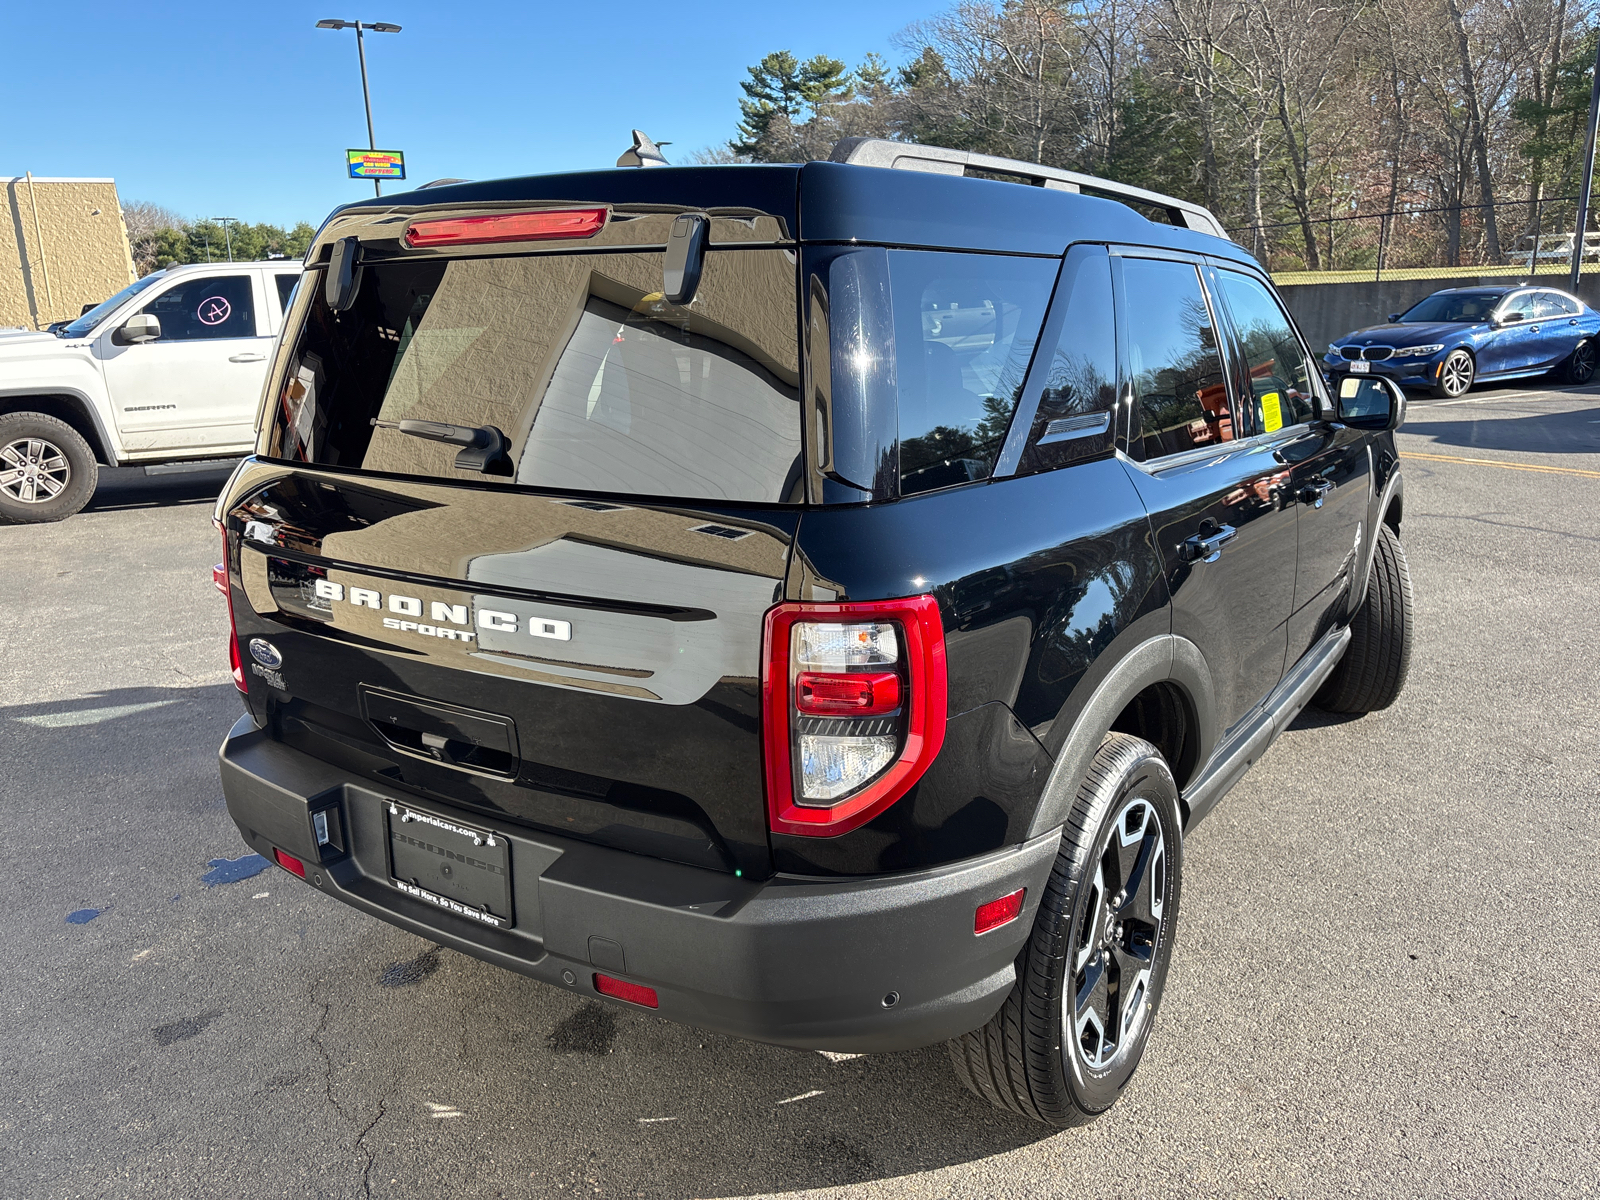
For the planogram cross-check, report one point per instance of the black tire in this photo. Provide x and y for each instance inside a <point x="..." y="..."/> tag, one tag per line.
<point x="1374" y="666"/>
<point x="1579" y="366"/>
<point x="47" y="471"/>
<point x="1456" y="375"/>
<point x="1024" y="1061"/>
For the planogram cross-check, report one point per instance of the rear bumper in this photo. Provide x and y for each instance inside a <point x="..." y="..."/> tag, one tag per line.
<point x="794" y="961"/>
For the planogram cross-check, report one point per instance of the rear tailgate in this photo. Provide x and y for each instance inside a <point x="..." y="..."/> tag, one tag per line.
<point x="550" y="641"/>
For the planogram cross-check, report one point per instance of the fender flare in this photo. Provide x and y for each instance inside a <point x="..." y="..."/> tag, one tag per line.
<point x="1166" y="658"/>
<point x="107" y="448"/>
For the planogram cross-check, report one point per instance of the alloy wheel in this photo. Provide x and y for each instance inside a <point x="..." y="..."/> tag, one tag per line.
<point x="1457" y="373"/>
<point x="33" y="471"/>
<point x="1583" y="361"/>
<point x="1106" y="1004"/>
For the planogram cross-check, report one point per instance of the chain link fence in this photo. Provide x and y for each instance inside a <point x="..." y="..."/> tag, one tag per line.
<point x="1525" y="238"/>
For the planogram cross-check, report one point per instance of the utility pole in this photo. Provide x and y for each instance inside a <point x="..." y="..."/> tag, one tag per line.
<point x="361" y="53"/>
<point x="1588" y="175"/>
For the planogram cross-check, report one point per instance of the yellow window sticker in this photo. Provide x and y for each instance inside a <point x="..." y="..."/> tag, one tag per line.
<point x="1271" y="413"/>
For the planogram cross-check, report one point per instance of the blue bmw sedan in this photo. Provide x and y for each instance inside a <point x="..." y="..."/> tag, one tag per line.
<point x="1462" y="336"/>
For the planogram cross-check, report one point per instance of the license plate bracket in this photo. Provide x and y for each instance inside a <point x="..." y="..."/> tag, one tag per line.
<point x="454" y="867"/>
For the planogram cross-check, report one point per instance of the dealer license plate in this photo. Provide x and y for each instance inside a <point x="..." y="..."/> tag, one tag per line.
<point x="1360" y="367"/>
<point x="454" y="867"/>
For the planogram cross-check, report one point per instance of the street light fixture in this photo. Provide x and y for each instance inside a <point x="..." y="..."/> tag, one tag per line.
<point x="227" y="224"/>
<point x="361" y="50"/>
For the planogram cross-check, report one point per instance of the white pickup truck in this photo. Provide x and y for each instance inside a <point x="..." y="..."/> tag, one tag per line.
<point x="168" y="370"/>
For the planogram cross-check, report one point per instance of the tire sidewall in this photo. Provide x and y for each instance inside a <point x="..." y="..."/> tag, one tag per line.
<point x="1472" y="375"/>
<point x="1149" y="779"/>
<point x="83" y="470"/>
<point x="1574" y="373"/>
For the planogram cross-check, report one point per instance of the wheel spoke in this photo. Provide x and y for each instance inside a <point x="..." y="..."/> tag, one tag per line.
<point x="1093" y="917"/>
<point x="54" y="463"/>
<point x="14" y="456"/>
<point x="51" y="485"/>
<point x="1092" y="1021"/>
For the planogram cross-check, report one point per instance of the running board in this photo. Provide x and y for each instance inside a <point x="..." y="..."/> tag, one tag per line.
<point x="1241" y="751"/>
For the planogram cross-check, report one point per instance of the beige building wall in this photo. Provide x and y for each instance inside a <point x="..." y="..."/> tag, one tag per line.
<point x="62" y="245"/>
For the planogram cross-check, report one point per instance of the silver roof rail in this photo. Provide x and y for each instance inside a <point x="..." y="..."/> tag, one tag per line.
<point x="908" y="156"/>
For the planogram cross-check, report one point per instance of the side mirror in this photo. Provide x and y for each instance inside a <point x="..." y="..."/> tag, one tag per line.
<point x="1393" y="317"/>
<point x="1371" y="402"/>
<point x="87" y="308"/>
<point x="685" y="257"/>
<point x="1511" y="318"/>
<point x="137" y="329"/>
<point x="343" y="280"/>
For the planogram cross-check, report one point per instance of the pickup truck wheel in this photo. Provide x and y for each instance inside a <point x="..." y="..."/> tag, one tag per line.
<point x="1374" y="666"/>
<point x="47" y="471"/>
<point x="1089" y="979"/>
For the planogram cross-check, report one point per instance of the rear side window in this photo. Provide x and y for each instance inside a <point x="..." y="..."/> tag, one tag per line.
<point x="1173" y="359"/>
<point x="286" y="289"/>
<point x="214" y="306"/>
<point x="1281" y="389"/>
<point x="965" y="326"/>
<point x="595" y="382"/>
<point x="1073" y="420"/>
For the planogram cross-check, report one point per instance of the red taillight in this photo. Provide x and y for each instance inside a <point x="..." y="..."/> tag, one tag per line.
<point x="874" y="712"/>
<point x="290" y="863"/>
<point x="219" y="577"/>
<point x="507" y="227"/>
<point x="863" y="695"/>
<point x="633" y="993"/>
<point x="998" y="912"/>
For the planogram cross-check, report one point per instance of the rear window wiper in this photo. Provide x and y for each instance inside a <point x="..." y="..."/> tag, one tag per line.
<point x="485" y="448"/>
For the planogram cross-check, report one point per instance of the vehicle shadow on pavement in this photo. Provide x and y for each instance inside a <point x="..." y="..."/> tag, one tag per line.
<point x="290" y="1019"/>
<point x="1575" y="432"/>
<point x="129" y="487"/>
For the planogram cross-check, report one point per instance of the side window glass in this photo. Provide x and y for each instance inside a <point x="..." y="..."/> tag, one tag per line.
<point x="218" y="306"/>
<point x="1281" y="392"/>
<point x="1566" y="306"/>
<point x="965" y="328"/>
<point x="1173" y="359"/>
<point x="285" y="290"/>
<point x="1073" y="421"/>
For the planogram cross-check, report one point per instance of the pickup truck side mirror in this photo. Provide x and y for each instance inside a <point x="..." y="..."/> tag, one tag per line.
<point x="137" y="329"/>
<point x="1373" y="402"/>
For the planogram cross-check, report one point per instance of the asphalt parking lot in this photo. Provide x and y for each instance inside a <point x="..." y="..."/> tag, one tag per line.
<point x="1382" y="986"/>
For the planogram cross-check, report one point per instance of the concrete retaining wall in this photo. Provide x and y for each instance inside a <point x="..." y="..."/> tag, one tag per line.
<point x="1326" y="312"/>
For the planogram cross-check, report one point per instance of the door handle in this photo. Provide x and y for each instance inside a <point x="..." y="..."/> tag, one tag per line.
<point x="1535" y="328"/>
<point x="247" y="358"/>
<point x="1315" y="492"/>
<point x="1208" y="547"/>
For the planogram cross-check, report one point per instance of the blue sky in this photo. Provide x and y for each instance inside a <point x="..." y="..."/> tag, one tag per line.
<point x="246" y="111"/>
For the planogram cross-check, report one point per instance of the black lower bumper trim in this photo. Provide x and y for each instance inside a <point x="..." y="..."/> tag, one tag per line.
<point x="863" y="964"/>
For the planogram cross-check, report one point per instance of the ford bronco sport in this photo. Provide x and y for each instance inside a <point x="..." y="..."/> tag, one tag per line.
<point x="810" y="602"/>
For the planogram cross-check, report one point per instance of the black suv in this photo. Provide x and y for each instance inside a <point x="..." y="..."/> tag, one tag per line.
<point x="811" y="602"/>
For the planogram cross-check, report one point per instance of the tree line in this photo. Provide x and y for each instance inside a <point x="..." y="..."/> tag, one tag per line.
<point x="159" y="238"/>
<point x="1282" y="116"/>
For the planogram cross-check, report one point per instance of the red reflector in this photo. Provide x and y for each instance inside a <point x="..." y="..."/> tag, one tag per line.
<point x="998" y="912"/>
<point x="290" y="863"/>
<point x="219" y="577"/>
<point x="507" y="227"/>
<point x="856" y="695"/>
<point x="633" y="993"/>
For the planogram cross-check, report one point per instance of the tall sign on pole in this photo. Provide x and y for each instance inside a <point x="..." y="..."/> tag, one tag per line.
<point x="1584" y="189"/>
<point x="366" y="95"/>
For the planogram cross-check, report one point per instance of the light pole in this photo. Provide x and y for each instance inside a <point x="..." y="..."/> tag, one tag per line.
<point x="361" y="52"/>
<point x="227" y="224"/>
<point x="1588" y="175"/>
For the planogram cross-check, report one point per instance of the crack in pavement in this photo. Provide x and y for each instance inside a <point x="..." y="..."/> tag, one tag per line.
<point x="358" y="1145"/>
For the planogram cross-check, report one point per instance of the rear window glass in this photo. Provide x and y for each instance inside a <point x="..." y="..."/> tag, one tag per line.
<point x="965" y="328"/>
<point x="594" y="382"/>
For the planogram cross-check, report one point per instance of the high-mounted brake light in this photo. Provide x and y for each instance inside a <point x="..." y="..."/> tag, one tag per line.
<point x="507" y="227"/>
<point x="219" y="577"/>
<point x="853" y="709"/>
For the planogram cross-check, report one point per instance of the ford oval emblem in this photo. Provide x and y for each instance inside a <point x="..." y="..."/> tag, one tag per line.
<point x="265" y="653"/>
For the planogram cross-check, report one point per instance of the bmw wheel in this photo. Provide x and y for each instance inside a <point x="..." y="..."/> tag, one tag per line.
<point x="1456" y="374"/>
<point x="1089" y="981"/>
<point x="1581" y="363"/>
<point x="47" y="471"/>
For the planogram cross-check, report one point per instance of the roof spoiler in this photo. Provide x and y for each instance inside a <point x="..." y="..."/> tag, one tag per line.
<point x="937" y="160"/>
